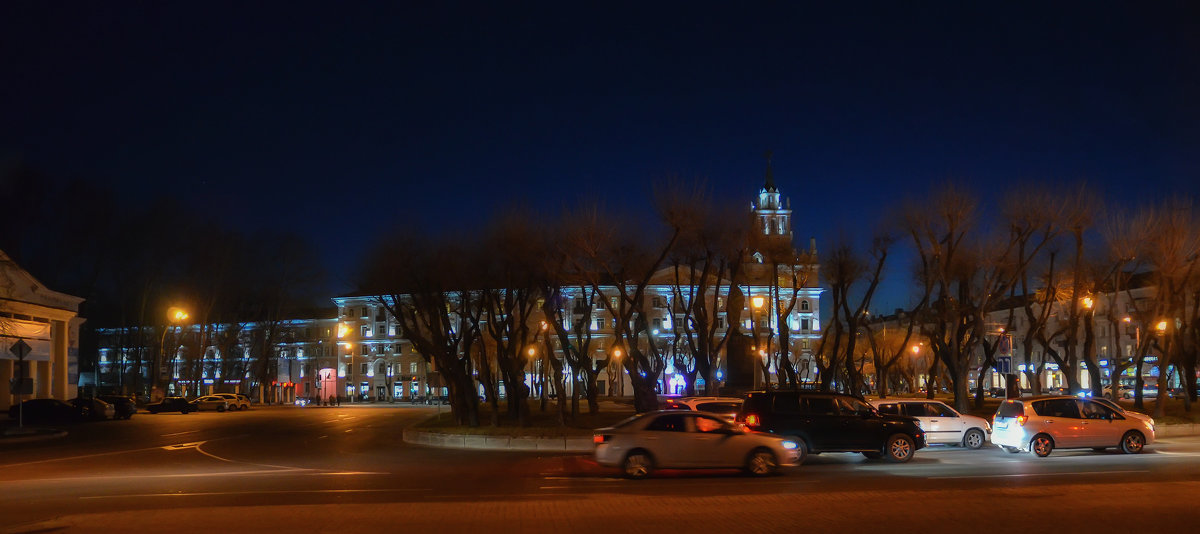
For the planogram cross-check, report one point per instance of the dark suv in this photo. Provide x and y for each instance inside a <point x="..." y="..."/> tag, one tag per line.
<point x="830" y="422"/>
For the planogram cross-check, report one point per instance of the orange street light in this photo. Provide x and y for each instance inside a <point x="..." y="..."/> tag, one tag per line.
<point x="757" y="302"/>
<point x="1127" y="319"/>
<point x="177" y="314"/>
<point x="544" y="325"/>
<point x="617" y="353"/>
<point x="1161" y="326"/>
<point x="916" y="349"/>
<point x="532" y="351"/>
<point x="1088" y="303"/>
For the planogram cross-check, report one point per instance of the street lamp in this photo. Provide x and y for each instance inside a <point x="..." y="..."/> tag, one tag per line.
<point x="1088" y="303"/>
<point x="1161" y="327"/>
<point x="174" y="315"/>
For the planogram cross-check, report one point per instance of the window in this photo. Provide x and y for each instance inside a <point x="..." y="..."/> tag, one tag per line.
<point x="890" y="409"/>
<point x="850" y="406"/>
<point x="656" y="302"/>
<point x="1066" y="408"/>
<point x="364" y="369"/>
<point x="657" y="322"/>
<point x="720" y="322"/>
<point x="668" y="423"/>
<point x="362" y="349"/>
<point x="806" y="324"/>
<point x="366" y="331"/>
<point x="382" y="368"/>
<point x="412" y="368"/>
<point x="708" y="424"/>
<point x="366" y="312"/>
<point x="937" y="409"/>
<point x="819" y="406"/>
<point x="786" y="404"/>
<point x="804" y="305"/>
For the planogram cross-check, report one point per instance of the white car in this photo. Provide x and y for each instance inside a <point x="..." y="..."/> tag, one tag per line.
<point x="211" y="402"/>
<point x="675" y="439"/>
<point x="727" y="407"/>
<point x="1042" y="424"/>
<point x="941" y="423"/>
<point x="236" y="401"/>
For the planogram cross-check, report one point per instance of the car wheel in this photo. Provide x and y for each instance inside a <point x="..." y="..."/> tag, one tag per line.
<point x="1132" y="442"/>
<point x="638" y="465"/>
<point x="899" y="448"/>
<point x="873" y="455"/>
<point x="973" y="439"/>
<point x="1042" y="445"/>
<point x="761" y="462"/>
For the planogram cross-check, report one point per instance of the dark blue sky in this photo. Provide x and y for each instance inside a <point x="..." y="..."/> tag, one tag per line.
<point x="341" y="118"/>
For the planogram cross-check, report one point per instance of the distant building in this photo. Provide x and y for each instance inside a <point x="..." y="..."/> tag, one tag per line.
<point x="360" y="353"/>
<point x="45" y="321"/>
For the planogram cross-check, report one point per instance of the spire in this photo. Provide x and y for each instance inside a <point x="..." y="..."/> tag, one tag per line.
<point x="770" y="185"/>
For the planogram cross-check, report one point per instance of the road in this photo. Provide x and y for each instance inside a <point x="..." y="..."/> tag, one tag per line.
<point x="285" y="468"/>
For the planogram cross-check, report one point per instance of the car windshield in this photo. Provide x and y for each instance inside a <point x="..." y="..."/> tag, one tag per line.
<point x="1010" y="409"/>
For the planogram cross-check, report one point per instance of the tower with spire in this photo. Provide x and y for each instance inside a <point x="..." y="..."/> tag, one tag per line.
<point x="771" y="217"/>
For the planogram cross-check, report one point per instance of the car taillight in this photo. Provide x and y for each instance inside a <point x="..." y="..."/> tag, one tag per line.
<point x="599" y="438"/>
<point x="752" y="420"/>
<point x="1021" y="419"/>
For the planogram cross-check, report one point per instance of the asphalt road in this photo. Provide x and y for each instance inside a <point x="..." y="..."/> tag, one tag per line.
<point x="321" y="469"/>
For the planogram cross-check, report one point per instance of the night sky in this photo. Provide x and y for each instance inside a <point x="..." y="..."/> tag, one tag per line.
<point x="341" y="119"/>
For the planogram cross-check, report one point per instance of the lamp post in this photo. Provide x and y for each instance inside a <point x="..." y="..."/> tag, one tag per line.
<point x="174" y="315"/>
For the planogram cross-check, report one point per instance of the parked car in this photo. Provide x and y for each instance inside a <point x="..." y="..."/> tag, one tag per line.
<point x="211" y="402"/>
<point x="45" y="411"/>
<point x="727" y="407"/>
<point x="1042" y="424"/>
<point x="674" y="439"/>
<point x="93" y="408"/>
<point x="125" y="406"/>
<point x="236" y="401"/>
<point x="827" y="422"/>
<point x="941" y="423"/>
<point x="171" y="404"/>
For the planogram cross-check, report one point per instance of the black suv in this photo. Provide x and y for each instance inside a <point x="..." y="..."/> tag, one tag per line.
<point x="830" y="422"/>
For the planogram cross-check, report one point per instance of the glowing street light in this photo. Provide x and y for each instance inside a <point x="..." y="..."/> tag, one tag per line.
<point x="343" y="330"/>
<point x="1088" y="303"/>
<point x="1161" y="327"/>
<point x="616" y="353"/>
<point x="532" y="352"/>
<point x="757" y="302"/>
<point x="916" y="350"/>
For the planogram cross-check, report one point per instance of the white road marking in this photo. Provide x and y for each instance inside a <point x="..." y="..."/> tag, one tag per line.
<point x="1046" y="474"/>
<point x="179" y="433"/>
<point x="82" y="456"/>
<point x="182" y="446"/>
<point x="261" y="492"/>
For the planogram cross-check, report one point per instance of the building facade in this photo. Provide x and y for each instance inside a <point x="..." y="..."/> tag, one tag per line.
<point x="360" y="354"/>
<point x="39" y="338"/>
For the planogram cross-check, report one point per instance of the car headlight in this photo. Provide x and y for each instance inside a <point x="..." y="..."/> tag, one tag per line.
<point x="789" y="444"/>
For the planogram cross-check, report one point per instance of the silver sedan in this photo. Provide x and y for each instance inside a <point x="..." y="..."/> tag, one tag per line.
<point x="674" y="439"/>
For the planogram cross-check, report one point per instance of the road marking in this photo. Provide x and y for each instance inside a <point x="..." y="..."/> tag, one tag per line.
<point x="260" y="492"/>
<point x="179" y="433"/>
<point x="80" y="457"/>
<point x="182" y="446"/>
<point x="1046" y="474"/>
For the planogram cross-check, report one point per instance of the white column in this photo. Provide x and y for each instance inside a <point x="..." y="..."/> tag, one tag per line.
<point x="6" y="374"/>
<point x="43" y="378"/>
<point x="58" y="358"/>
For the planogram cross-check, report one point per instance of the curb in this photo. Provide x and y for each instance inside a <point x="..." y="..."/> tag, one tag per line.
<point x="1175" y="431"/>
<point x="39" y="436"/>
<point x="498" y="443"/>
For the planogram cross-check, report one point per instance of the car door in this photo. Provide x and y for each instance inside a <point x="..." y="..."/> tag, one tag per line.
<point x="1101" y="425"/>
<point x="1060" y="418"/>
<point x="859" y="427"/>
<point x="822" y="422"/>
<point x="667" y="439"/>
<point x="716" y="443"/>
<point x="944" y="423"/>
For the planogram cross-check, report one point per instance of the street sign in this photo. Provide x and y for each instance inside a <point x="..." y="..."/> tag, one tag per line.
<point x="20" y="349"/>
<point x="1004" y="365"/>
